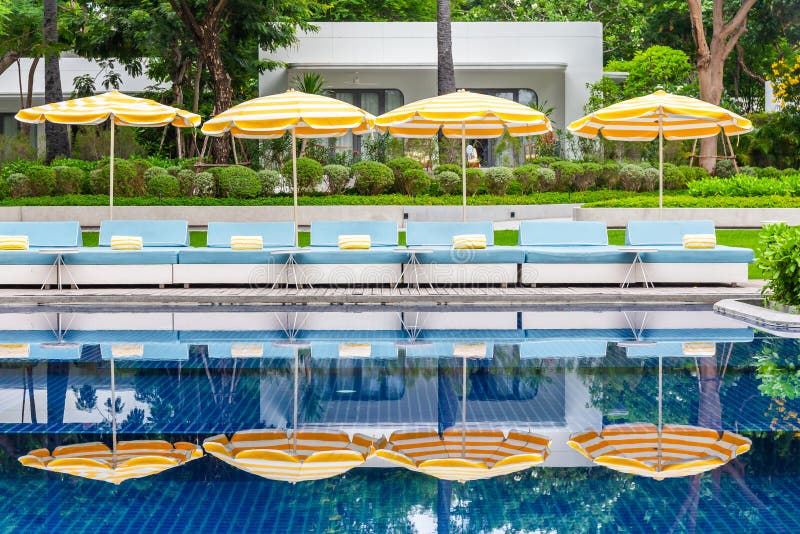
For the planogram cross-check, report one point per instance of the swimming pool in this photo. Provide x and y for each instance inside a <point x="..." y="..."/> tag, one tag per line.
<point x="186" y="376"/>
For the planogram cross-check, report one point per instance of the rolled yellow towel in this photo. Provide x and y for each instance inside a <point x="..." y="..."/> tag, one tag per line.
<point x="699" y="348"/>
<point x="247" y="242"/>
<point x="354" y="242"/>
<point x="355" y="350"/>
<point x="15" y="350"/>
<point x="467" y="241"/>
<point x="13" y="242"/>
<point x="247" y="350"/>
<point x="126" y="242"/>
<point x="699" y="241"/>
<point x="127" y="350"/>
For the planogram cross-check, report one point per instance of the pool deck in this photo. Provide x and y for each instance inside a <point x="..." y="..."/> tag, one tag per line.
<point x="482" y="296"/>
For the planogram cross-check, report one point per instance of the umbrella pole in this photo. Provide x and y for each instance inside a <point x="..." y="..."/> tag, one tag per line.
<point x="111" y="175"/>
<point x="113" y="416"/>
<point x="463" y="172"/>
<point x="294" y="182"/>
<point x="464" y="409"/>
<point x="296" y="390"/>
<point x="660" y="166"/>
<point x="660" y="405"/>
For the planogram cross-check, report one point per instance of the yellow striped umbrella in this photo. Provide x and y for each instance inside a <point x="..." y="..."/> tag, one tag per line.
<point x="660" y="115"/>
<point x="291" y="456"/>
<point x="125" y="110"/>
<point x="131" y="459"/>
<point x="465" y="454"/>
<point x="674" y="451"/>
<point x="464" y="115"/>
<point x="302" y="114"/>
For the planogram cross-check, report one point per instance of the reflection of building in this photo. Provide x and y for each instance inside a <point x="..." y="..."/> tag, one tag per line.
<point x="380" y="66"/>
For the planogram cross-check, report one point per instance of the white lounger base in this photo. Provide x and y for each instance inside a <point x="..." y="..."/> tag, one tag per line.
<point x="239" y="273"/>
<point x="614" y="273"/>
<point x="347" y="274"/>
<point x="461" y="273"/>
<point x="573" y="273"/>
<point x="28" y="275"/>
<point x="117" y="275"/>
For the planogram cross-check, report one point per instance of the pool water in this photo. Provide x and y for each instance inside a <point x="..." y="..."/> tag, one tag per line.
<point x="186" y="376"/>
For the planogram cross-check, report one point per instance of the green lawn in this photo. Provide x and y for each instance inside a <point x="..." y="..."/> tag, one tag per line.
<point x="734" y="238"/>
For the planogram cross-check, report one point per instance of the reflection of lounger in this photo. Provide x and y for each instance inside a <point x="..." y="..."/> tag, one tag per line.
<point x="239" y="343"/>
<point x="133" y="344"/>
<point x="563" y="348"/>
<point x="40" y="345"/>
<point x="349" y="349"/>
<point x="483" y="349"/>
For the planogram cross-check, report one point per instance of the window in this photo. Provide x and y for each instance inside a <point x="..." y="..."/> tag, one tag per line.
<point x="510" y="152"/>
<point x="375" y="101"/>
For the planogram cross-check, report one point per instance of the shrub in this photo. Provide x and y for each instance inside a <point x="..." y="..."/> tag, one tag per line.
<point x="448" y="167"/>
<point x="3" y="188"/>
<point x="372" y="177"/>
<point x="750" y="171"/>
<point x="17" y="185"/>
<point x="338" y="176"/>
<point x="475" y="179"/>
<point x="399" y="167"/>
<point x="609" y="175"/>
<point x="417" y="181"/>
<point x="309" y="174"/>
<point x="154" y="171"/>
<point x="85" y="166"/>
<point x="724" y="168"/>
<point x="163" y="185"/>
<point x="779" y="261"/>
<point x="185" y="182"/>
<point x="41" y="181"/>
<point x="270" y="181"/>
<point x="649" y="179"/>
<point x="587" y="177"/>
<point x="673" y="177"/>
<point x="528" y="177"/>
<point x="497" y="180"/>
<point x="631" y="177"/>
<point x="20" y="166"/>
<point x="742" y="185"/>
<point x="174" y="170"/>
<point x="204" y="184"/>
<point x="547" y="179"/>
<point x="544" y="161"/>
<point x="767" y="172"/>
<point x="126" y="183"/>
<point x="789" y="172"/>
<point x="514" y="188"/>
<point x="237" y="181"/>
<point x="449" y="182"/>
<point x="69" y="180"/>
<point x="566" y="171"/>
<point x="693" y="173"/>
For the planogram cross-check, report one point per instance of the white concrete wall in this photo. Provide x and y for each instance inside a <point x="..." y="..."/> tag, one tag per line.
<point x="554" y="59"/>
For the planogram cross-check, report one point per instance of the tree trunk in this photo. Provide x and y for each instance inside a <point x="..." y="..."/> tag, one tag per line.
<point x="710" y="76"/>
<point x="26" y="127"/>
<point x="445" y="72"/>
<point x="56" y="135"/>
<point x="223" y="90"/>
<point x="8" y="59"/>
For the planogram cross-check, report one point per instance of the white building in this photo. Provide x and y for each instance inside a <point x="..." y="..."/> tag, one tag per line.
<point x="380" y="66"/>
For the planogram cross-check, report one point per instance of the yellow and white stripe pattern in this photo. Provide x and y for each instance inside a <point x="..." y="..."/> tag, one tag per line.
<point x="699" y="241"/>
<point x="681" y="117"/>
<point x="469" y="241"/>
<point x="699" y="348"/>
<point x="464" y="114"/>
<point x="355" y="350"/>
<point x="634" y="449"/>
<point x="269" y="117"/>
<point x="247" y="242"/>
<point x="15" y="350"/>
<point x="126" y="110"/>
<point x="462" y="455"/>
<point x="279" y="455"/>
<point x="13" y="242"/>
<point x="126" y="242"/>
<point x="247" y="350"/>
<point x="133" y="459"/>
<point x="354" y="242"/>
<point x="127" y="350"/>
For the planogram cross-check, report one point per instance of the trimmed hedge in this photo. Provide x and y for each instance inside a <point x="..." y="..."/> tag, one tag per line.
<point x="338" y="176"/>
<point x="400" y="166"/>
<point x="309" y="174"/>
<point x="372" y="178"/>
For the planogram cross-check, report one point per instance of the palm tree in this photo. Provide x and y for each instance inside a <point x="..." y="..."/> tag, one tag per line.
<point x="445" y="72"/>
<point x="55" y="134"/>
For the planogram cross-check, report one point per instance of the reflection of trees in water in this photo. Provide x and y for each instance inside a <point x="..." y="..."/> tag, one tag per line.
<point x="778" y="368"/>
<point x="85" y="397"/>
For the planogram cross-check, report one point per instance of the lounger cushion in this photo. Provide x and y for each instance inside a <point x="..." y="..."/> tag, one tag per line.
<point x="562" y="233"/>
<point x="46" y="234"/>
<point x="576" y="254"/>
<point x="153" y="233"/>
<point x="445" y="254"/>
<point x="210" y="256"/>
<point x="326" y="233"/>
<point x="563" y="348"/>
<point x="645" y="233"/>
<point x="718" y="254"/>
<point x="334" y="255"/>
<point x="106" y="256"/>
<point x="429" y="234"/>
<point x="26" y="257"/>
<point x="273" y="234"/>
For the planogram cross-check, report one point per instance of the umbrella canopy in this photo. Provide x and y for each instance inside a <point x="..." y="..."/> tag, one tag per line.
<point x="303" y="114"/>
<point x="289" y="456"/>
<point x="462" y="455"/>
<point x="132" y="459"/>
<point x="660" y="115"/>
<point x="679" y="450"/>
<point x="464" y="115"/>
<point x="118" y="108"/>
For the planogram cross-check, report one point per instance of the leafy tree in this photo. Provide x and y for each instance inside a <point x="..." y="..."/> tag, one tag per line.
<point x="378" y="11"/>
